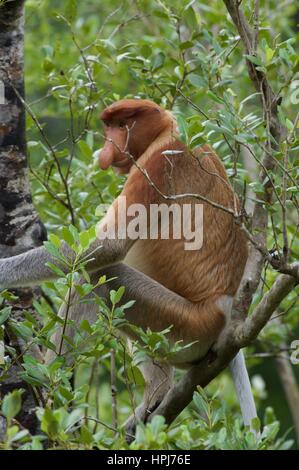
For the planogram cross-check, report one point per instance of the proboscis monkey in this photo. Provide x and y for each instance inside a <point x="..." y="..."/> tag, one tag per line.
<point x="190" y="289"/>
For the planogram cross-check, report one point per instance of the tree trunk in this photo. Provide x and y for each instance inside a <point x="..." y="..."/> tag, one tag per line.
<point x="20" y="227"/>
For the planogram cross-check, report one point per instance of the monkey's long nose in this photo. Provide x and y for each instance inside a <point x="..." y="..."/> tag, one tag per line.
<point x="106" y="158"/>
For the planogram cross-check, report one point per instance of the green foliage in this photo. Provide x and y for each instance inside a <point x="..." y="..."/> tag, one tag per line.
<point x="81" y="56"/>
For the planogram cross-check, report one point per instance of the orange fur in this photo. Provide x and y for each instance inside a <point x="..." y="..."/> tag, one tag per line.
<point x="201" y="276"/>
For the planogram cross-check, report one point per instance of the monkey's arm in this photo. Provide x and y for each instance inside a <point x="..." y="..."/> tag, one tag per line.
<point x="26" y="269"/>
<point x="30" y="268"/>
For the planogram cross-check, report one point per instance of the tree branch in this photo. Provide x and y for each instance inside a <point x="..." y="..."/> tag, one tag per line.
<point x="252" y="326"/>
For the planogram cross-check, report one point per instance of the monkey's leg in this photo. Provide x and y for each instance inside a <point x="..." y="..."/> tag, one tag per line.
<point x="158" y="377"/>
<point x="155" y="307"/>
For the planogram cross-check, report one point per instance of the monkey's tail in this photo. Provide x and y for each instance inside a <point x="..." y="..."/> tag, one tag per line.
<point x="243" y="388"/>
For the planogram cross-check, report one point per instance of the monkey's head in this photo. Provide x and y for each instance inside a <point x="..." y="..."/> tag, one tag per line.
<point x="130" y="126"/>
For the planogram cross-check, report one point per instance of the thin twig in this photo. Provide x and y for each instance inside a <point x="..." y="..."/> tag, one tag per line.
<point x="113" y="389"/>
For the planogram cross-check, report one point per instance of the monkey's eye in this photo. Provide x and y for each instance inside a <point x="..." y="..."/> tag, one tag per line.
<point x="122" y="125"/>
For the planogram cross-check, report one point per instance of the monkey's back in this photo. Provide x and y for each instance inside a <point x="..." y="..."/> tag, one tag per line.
<point x="217" y="267"/>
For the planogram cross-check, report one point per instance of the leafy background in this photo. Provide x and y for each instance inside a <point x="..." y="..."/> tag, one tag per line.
<point x="81" y="56"/>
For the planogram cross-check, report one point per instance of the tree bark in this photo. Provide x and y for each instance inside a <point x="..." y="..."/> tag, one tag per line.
<point x="20" y="227"/>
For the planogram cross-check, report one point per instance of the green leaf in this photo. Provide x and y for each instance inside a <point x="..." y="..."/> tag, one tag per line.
<point x="102" y="280"/>
<point x="161" y="14"/>
<point x="85" y="326"/>
<point x="55" y="269"/>
<point x="269" y="54"/>
<point x="85" y="435"/>
<point x="190" y="18"/>
<point x="71" y="10"/>
<point x="128" y="304"/>
<point x="47" y="50"/>
<point x="74" y="417"/>
<point x="7" y="295"/>
<point x="186" y="45"/>
<point x="85" y="149"/>
<point x="256" y="424"/>
<point x="84" y="239"/>
<point x="146" y="50"/>
<point x="253" y="59"/>
<point x="66" y="393"/>
<point x="48" y="65"/>
<point x="83" y="289"/>
<point x="12" y="403"/>
<point x="179" y="71"/>
<point x="21" y="329"/>
<point x="115" y="296"/>
<point x="32" y="143"/>
<point x="158" y="61"/>
<point x="196" y="80"/>
<point x="220" y="129"/>
<point x="245" y="138"/>
<point x="135" y="376"/>
<point x="67" y="236"/>
<point x="4" y="314"/>
<point x="201" y="404"/>
<point x="50" y="422"/>
<point x="183" y="127"/>
<point x="270" y="431"/>
<point x="19" y="435"/>
<point x="215" y="97"/>
<point x="53" y="251"/>
<point x="74" y="233"/>
<point x="269" y="416"/>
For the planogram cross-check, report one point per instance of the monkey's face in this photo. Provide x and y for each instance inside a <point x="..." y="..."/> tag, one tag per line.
<point x="129" y="130"/>
<point x="116" y="150"/>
